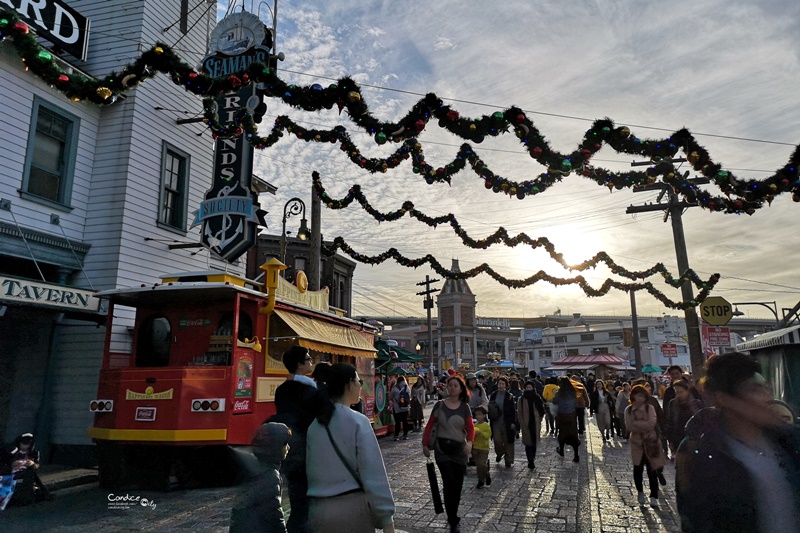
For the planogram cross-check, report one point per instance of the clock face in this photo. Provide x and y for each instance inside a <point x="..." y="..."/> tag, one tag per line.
<point x="237" y="33"/>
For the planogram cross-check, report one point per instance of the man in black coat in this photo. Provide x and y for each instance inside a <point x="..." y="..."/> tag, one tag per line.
<point x="297" y="403"/>
<point x="738" y="469"/>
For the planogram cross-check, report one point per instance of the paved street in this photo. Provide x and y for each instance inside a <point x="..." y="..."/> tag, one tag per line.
<point x="596" y="495"/>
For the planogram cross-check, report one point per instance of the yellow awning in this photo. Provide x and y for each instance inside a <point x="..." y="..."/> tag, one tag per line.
<point x="326" y="337"/>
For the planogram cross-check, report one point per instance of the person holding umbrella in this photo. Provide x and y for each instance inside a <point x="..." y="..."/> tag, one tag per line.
<point x="455" y="432"/>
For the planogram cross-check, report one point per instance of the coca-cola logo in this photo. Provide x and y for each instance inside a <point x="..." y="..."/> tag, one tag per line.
<point x="241" y="405"/>
<point x="193" y="323"/>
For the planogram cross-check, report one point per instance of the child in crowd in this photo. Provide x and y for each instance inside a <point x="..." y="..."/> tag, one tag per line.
<point x="480" y="447"/>
<point x="258" y="507"/>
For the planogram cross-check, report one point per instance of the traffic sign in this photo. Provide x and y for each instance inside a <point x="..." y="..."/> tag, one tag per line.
<point x="716" y="310"/>
<point x="717" y="336"/>
<point x="669" y="350"/>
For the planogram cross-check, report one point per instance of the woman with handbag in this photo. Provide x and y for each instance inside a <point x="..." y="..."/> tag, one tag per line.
<point x="646" y="451"/>
<point x="451" y="421"/>
<point x="348" y="488"/>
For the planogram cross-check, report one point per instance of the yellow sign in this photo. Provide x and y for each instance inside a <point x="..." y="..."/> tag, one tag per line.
<point x="148" y="394"/>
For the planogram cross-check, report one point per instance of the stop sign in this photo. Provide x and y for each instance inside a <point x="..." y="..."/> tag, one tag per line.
<point x="716" y="311"/>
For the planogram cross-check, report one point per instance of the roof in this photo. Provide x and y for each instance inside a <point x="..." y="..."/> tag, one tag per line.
<point x="595" y="359"/>
<point x="455" y="286"/>
<point x="570" y="367"/>
<point x="778" y="337"/>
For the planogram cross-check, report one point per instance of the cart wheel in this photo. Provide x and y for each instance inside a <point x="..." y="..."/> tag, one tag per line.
<point x="112" y="465"/>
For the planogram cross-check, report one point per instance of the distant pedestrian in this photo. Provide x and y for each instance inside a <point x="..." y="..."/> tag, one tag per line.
<point x="581" y="403"/>
<point x="258" y="507"/>
<point x="530" y="410"/>
<point x="738" y="469"/>
<point x="538" y="386"/>
<point x="503" y="417"/>
<point x="550" y="389"/>
<point x="566" y="421"/>
<point x="602" y="404"/>
<point x="416" y="414"/>
<point x="348" y="489"/>
<point x="680" y="409"/>
<point x="477" y="394"/>
<point x="455" y="432"/>
<point x="590" y="387"/>
<point x="646" y="450"/>
<point x="623" y="401"/>
<point x="480" y="448"/>
<point x="401" y="405"/>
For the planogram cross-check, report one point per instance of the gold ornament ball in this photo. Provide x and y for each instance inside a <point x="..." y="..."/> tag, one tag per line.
<point x="353" y="96"/>
<point x="512" y="191"/>
<point x="472" y="127"/>
<point x="624" y="132"/>
<point x="158" y="50"/>
<point x="651" y="179"/>
<point x="504" y="187"/>
<point x="773" y="187"/>
<point x="693" y="158"/>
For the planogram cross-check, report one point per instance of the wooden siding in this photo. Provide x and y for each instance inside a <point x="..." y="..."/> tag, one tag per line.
<point x="117" y="180"/>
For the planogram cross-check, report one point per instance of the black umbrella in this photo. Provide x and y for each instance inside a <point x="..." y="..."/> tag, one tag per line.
<point x="437" y="497"/>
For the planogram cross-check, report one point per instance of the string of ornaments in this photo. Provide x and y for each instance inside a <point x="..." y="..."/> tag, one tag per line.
<point x="737" y="195"/>
<point x="501" y="236"/>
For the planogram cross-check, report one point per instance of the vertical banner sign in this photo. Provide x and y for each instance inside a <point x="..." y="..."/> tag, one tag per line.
<point x="243" y="393"/>
<point x="230" y="213"/>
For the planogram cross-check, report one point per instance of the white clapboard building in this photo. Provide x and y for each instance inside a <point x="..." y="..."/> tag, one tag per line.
<point x="91" y="198"/>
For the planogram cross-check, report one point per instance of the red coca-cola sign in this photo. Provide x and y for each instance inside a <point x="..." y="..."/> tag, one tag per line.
<point x="241" y="406"/>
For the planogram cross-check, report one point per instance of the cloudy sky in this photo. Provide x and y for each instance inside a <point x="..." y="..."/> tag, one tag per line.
<point x="721" y="68"/>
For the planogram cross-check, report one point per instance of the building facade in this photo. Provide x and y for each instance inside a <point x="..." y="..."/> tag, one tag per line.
<point x="91" y="198"/>
<point x="336" y="272"/>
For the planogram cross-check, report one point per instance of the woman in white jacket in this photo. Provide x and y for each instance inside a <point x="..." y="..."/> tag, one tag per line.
<point x="348" y="488"/>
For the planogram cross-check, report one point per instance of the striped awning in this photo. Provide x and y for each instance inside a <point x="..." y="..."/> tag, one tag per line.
<point x="324" y="336"/>
<point x="778" y="337"/>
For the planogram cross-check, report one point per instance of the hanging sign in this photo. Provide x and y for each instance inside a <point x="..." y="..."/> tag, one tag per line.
<point x="55" y="21"/>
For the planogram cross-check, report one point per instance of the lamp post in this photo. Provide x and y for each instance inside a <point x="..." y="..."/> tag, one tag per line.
<point x="772" y="306"/>
<point x="294" y="207"/>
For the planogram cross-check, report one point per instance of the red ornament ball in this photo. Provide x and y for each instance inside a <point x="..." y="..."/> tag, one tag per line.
<point x="420" y="125"/>
<point x="520" y="118"/>
<point x="21" y="27"/>
<point x="63" y="78"/>
<point x="536" y="152"/>
<point x="452" y="115"/>
<point x="192" y="75"/>
<point x="488" y="184"/>
<point x="234" y="81"/>
<point x="738" y="204"/>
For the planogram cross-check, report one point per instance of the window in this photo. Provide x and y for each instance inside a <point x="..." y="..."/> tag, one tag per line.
<point x="174" y="185"/>
<point x="602" y="349"/>
<point x="545" y="353"/>
<point x="50" y="164"/>
<point x="573" y="351"/>
<point x="153" y="343"/>
<point x="615" y="335"/>
<point x="587" y="337"/>
<point x="643" y="334"/>
<point x="300" y="263"/>
<point x="560" y="339"/>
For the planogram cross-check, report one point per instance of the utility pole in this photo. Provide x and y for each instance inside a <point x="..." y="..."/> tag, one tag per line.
<point x="315" y="253"/>
<point x="428" y="304"/>
<point x="673" y="209"/>
<point x="637" y="345"/>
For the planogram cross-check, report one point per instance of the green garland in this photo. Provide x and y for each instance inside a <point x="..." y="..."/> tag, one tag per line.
<point x="738" y="195"/>
<point x="392" y="253"/>
<point x="501" y="236"/>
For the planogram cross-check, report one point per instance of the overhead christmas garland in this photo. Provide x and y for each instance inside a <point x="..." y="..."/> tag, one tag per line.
<point x="740" y="196"/>
<point x="392" y="253"/>
<point x="501" y="236"/>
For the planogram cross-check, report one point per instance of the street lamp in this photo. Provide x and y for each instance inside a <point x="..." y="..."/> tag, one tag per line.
<point x="294" y="207"/>
<point x="772" y="306"/>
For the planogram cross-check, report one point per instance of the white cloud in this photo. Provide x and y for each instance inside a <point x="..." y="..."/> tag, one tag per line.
<point x="719" y="67"/>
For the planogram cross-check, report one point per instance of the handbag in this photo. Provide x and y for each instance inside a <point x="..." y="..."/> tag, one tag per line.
<point x="349" y="468"/>
<point x="450" y="446"/>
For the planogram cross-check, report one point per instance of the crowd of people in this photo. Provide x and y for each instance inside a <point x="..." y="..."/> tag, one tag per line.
<point x="736" y="450"/>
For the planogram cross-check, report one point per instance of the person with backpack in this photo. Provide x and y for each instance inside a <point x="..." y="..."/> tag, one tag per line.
<point x="401" y="405"/>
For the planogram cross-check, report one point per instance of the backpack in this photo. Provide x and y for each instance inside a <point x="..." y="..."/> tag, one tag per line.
<point x="404" y="399"/>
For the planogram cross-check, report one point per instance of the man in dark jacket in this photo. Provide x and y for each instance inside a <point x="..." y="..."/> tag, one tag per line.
<point x="297" y="403"/>
<point x="738" y="470"/>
